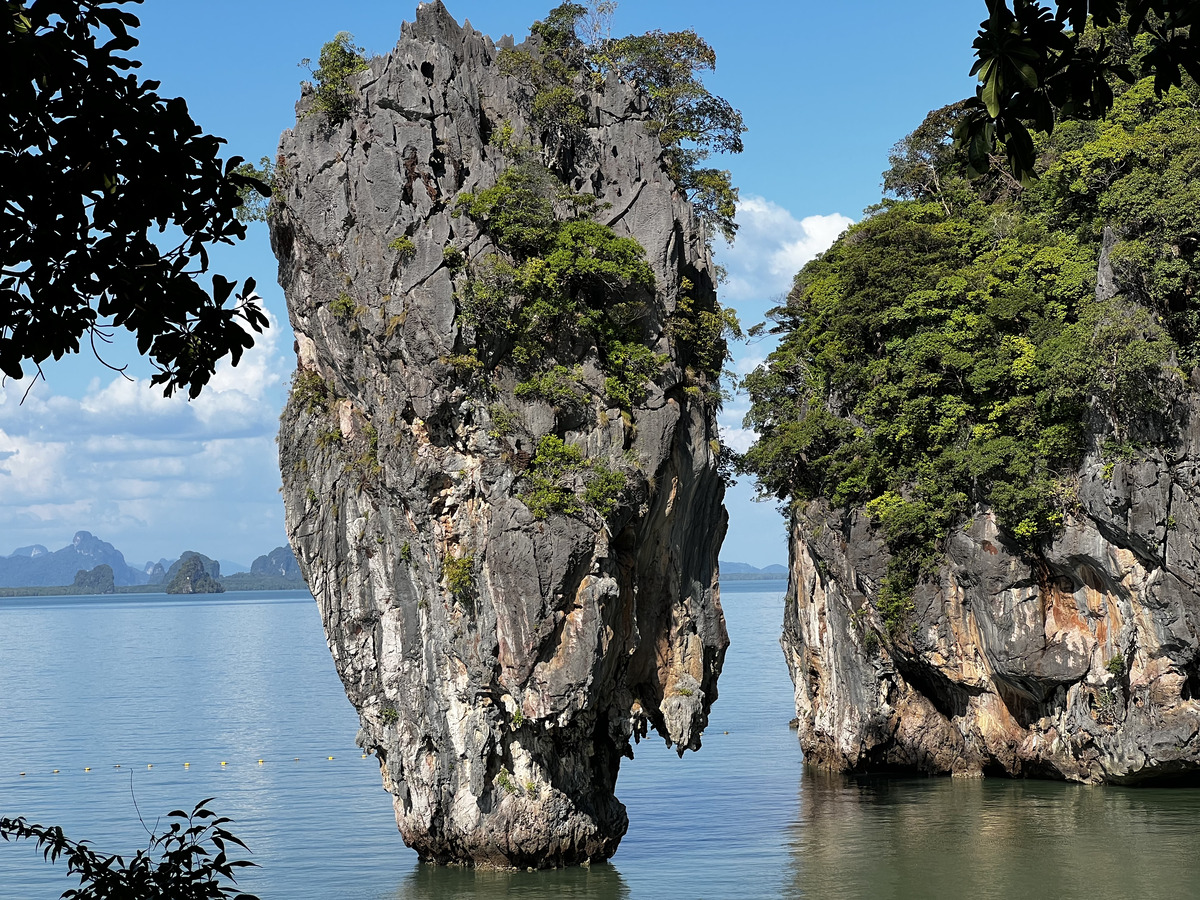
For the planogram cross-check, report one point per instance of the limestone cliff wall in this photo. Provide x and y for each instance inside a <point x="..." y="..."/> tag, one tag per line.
<point x="1084" y="665"/>
<point x="500" y="663"/>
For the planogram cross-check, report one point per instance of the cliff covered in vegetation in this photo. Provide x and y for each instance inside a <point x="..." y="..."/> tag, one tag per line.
<point x="501" y="470"/>
<point x="983" y="416"/>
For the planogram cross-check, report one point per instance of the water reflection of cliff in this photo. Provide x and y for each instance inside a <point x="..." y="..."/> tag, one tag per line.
<point x="599" y="882"/>
<point x="983" y="838"/>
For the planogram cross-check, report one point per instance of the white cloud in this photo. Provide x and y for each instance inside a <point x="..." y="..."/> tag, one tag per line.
<point x="151" y="475"/>
<point x="772" y="246"/>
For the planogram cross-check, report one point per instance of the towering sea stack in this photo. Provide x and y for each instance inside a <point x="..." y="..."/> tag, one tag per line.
<point x="981" y="414"/>
<point x="500" y="466"/>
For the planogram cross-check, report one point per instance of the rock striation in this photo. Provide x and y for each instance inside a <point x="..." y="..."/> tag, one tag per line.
<point x="501" y="663"/>
<point x="1083" y="664"/>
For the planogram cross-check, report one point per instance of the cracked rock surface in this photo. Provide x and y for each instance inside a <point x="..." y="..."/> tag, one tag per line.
<point x="1082" y="665"/>
<point x="500" y="663"/>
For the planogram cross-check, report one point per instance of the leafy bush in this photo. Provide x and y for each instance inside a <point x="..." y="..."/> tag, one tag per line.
<point x="187" y="861"/>
<point x="453" y="258"/>
<point x="701" y="329"/>
<point x="460" y="578"/>
<point x="504" y="420"/>
<point x="560" y="283"/>
<point x="340" y="59"/>
<point x="309" y="390"/>
<point x="404" y="247"/>
<point x="554" y="461"/>
<point x="604" y="488"/>
<point x="559" y="386"/>
<point x="343" y="305"/>
<point x="552" y="475"/>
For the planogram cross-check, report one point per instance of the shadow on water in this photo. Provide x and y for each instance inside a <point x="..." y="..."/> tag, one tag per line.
<point x="983" y="838"/>
<point x="599" y="882"/>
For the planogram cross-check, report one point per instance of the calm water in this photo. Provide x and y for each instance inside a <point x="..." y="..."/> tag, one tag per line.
<point x="156" y="681"/>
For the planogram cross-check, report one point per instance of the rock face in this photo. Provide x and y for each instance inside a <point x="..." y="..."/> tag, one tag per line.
<point x="500" y="663"/>
<point x="1083" y="665"/>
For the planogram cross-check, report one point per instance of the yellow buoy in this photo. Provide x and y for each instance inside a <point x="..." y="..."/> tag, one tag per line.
<point x="260" y="762"/>
<point x="87" y="768"/>
<point x="223" y="762"/>
<point x="149" y="765"/>
<point x="56" y="771"/>
<point x="329" y="757"/>
<point x="187" y="765"/>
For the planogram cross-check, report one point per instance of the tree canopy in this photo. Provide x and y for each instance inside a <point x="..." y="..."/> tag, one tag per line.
<point x="952" y="349"/>
<point x="1037" y="65"/>
<point x="691" y="122"/>
<point x="91" y="159"/>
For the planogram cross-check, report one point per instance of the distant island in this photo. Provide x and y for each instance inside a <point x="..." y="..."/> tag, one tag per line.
<point x="90" y="566"/>
<point x="740" y="571"/>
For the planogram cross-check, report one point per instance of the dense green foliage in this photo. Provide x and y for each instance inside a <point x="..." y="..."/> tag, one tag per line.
<point x="339" y="60"/>
<point x="1037" y="65"/>
<point x="691" y="122"/>
<point x="460" y="576"/>
<point x="92" y="159"/>
<point x="189" y="860"/>
<point x="557" y="286"/>
<point x="950" y="349"/>
<point x="553" y="473"/>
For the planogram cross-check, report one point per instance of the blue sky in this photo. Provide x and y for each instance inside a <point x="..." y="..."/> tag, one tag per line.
<point x="826" y="89"/>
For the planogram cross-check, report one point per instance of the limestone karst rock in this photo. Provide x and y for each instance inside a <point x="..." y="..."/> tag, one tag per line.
<point x="1085" y="670"/>
<point x="500" y="662"/>
<point x="1083" y="665"/>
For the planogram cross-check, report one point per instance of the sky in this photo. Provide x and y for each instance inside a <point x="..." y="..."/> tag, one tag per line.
<point x="825" y="88"/>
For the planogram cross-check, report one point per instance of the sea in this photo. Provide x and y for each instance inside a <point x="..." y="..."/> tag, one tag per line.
<point x="116" y="710"/>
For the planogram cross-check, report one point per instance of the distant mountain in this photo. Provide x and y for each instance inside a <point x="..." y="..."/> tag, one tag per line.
<point x="211" y="567"/>
<point x="740" y="571"/>
<point x="281" y="562"/>
<point x="90" y="565"/>
<point x="31" y="550"/>
<point x="741" y="568"/>
<point x="193" y="576"/>
<point x="35" y="566"/>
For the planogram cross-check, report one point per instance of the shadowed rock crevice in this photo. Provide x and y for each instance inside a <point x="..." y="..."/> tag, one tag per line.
<point x="501" y="659"/>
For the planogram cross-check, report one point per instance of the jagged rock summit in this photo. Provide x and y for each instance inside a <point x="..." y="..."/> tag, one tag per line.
<point x="506" y="612"/>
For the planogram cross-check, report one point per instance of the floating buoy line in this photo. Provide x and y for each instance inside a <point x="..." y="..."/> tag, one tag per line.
<point x="223" y="764"/>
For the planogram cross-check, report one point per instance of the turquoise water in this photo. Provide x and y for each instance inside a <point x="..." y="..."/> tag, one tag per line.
<point x="155" y="681"/>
